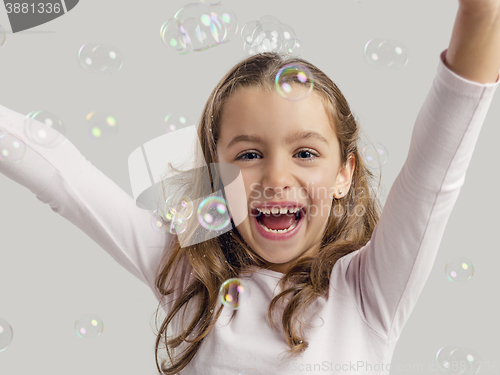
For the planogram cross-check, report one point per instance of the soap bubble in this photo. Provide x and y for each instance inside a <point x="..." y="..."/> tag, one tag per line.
<point x="11" y="148"/>
<point x="89" y="326"/>
<point x="247" y="32"/>
<point x="44" y="128"/>
<point x="458" y="361"/>
<point x="375" y="155"/>
<point x="234" y="293"/>
<point x="229" y="18"/>
<point x="196" y="26"/>
<point x="158" y="222"/>
<point x="178" y="225"/>
<point x="213" y="213"/>
<point x="294" y="82"/>
<point x="174" y="121"/>
<point x="6" y="334"/>
<point x="459" y="269"/>
<point x="100" y="58"/>
<point x="380" y="53"/>
<point x="101" y="125"/>
<point x="294" y="47"/>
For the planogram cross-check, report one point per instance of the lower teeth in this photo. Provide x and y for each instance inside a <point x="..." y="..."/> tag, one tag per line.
<point x="281" y="230"/>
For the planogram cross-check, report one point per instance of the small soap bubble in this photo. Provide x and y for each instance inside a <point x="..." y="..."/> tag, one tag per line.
<point x="100" y="58"/>
<point x="169" y="208"/>
<point x="269" y="37"/>
<point x="375" y="155"/>
<point x="101" y="125"/>
<point x="294" y="82"/>
<point x="229" y="19"/>
<point x="6" y="334"/>
<point x="178" y="225"/>
<point x="458" y="361"/>
<point x="158" y="222"/>
<point x="294" y="47"/>
<point x="459" y="269"/>
<point x="217" y="27"/>
<point x="381" y="53"/>
<point x="44" y="128"/>
<point x="196" y="26"/>
<point x="172" y="37"/>
<point x="250" y="371"/>
<point x="11" y="148"/>
<point x="234" y="293"/>
<point x="3" y="36"/>
<point x="174" y="121"/>
<point x="89" y="326"/>
<point x="182" y="207"/>
<point x="247" y="32"/>
<point x="213" y="213"/>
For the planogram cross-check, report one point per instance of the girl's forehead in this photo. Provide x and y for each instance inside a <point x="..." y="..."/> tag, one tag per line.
<point x="269" y="106"/>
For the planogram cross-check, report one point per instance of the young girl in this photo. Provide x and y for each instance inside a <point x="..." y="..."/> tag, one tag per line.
<point x="335" y="292"/>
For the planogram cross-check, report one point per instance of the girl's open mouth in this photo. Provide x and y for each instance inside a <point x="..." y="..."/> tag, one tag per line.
<point x="282" y="221"/>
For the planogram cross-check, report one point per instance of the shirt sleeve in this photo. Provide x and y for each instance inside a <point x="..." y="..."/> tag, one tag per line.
<point x="65" y="180"/>
<point x="387" y="275"/>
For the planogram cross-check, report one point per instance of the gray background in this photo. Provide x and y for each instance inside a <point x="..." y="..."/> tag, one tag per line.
<point x="50" y="271"/>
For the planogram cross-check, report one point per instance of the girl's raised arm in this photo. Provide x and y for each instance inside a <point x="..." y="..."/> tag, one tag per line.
<point x="64" y="179"/>
<point x="386" y="276"/>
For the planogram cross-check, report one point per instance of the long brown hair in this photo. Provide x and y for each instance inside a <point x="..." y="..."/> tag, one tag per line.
<point x="207" y="264"/>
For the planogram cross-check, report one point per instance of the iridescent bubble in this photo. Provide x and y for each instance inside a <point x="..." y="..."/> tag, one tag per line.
<point x="44" y="128"/>
<point x="169" y="208"/>
<point x="381" y="53"/>
<point x="3" y="36"/>
<point x="375" y="155"/>
<point x="11" y="148"/>
<point x="172" y="37"/>
<point x="247" y="32"/>
<point x="217" y="27"/>
<point x="114" y="60"/>
<point x="249" y="371"/>
<point x="234" y="293"/>
<point x="175" y="121"/>
<point x="269" y="36"/>
<point x="458" y="361"/>
<point x="158" y="222"/>
<point x="196" y="22"/>
<point x="6" y="334"/>
<point x="181" y="208"/>
<point x="294" y="47"/>
<point x="294" y="82"/>
<point x="178" y="225"/>
<point x="229" y="19"/>
<point x="100" y="58"/>
<point x="459" y="269"/>
<point x="101" y="125"/>
<point x="213" y="213"/>
<point x="89" y="326"/>
<point x="473" y="362"/>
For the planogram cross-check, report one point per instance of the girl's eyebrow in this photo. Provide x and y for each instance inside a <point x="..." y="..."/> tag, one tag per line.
<point x="297" y="136"/>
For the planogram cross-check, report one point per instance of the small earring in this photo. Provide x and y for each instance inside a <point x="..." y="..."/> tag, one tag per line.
<point x="340" y="191"/>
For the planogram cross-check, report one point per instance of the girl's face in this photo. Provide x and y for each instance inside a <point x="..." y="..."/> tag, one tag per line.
<point x="278" y="165"/>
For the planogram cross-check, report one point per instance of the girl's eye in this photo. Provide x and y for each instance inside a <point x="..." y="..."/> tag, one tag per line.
<point x="241" y="157"/>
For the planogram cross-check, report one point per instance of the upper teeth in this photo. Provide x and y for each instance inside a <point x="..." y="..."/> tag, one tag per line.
<point x="278" y="210"/>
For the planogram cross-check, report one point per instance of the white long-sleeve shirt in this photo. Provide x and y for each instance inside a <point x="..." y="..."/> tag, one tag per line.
<point x="373" y="290"/>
